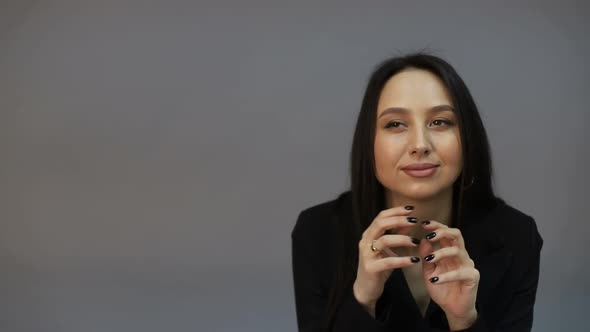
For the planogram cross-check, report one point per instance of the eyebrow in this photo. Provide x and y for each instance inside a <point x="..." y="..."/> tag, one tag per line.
<point x="401" y="110"/>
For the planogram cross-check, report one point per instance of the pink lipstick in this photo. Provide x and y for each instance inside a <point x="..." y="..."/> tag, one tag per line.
<point x="420" y="170"/>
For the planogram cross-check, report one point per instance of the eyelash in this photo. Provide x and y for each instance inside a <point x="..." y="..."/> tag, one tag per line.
<point x="443" y="121"/>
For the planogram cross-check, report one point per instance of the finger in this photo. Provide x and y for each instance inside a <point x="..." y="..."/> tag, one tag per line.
<point x="395" y="240"/>
<point x="396" y="211"/>
<point x="425" y="249"/>
<point x="449" y="253"/>
<point x="469" y="275"/>
<point x="403" y="230"/>
<point x="431" y="225"/>
<point x="388" y="252"/>
<point x="447" y="237"/>
<point x="389" y="263"/>
<point x="380" y="225"/>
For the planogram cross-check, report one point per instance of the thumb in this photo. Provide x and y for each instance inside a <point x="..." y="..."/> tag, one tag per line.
<point x="426" y="249"/>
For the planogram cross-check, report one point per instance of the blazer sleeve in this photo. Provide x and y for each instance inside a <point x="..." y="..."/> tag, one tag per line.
<point x="519" y="313"/>
<point x="519" y="316"/>
<point x="311" y="294"/>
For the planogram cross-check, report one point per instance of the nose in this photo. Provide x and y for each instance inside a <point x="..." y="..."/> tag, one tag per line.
<point x="420" y="145"/>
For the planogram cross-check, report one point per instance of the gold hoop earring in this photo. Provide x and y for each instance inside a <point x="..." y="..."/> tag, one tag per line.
<point x="470" y="184"/>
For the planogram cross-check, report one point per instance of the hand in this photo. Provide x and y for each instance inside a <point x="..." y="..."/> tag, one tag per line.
<point x="450" y="274"/>
<point x="375" y="267"/>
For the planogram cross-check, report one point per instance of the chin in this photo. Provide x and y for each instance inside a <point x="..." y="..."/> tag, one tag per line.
<point x="421" y="191"/>
<point x="420" y="195"/>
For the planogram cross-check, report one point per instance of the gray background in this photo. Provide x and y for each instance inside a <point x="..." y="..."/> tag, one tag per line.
<point x="155" y="154"/>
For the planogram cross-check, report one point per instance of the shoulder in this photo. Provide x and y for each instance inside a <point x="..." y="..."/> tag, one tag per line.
<point x="319" y="218"/>
<point x="506" y="223"/>
<point x="510" y="218"/>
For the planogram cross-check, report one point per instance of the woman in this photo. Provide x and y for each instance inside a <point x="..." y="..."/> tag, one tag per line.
<point x="420" y="242"/>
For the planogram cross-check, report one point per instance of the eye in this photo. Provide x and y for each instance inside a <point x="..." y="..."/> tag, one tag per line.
<point x="441" y="122"/>
<point x="393" y="124"/>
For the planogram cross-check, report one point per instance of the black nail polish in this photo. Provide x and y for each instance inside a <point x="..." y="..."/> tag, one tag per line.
<point x="409" y="207"/>
<point x="412" y="220"/>
<point x="415" y="259"/>
<point x="415" y="240"/>
<point x="430" y="235"/>
<point x="429" y="257"/>
<point x="433" y="279"/>
<point x="426" y="222"/>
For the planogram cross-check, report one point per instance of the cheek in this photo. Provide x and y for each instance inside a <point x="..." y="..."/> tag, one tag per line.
<point x="449" y="150"/>
<point x="388" y="152"/>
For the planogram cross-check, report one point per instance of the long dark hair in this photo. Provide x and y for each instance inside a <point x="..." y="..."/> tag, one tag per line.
<point x="472" y="191"/>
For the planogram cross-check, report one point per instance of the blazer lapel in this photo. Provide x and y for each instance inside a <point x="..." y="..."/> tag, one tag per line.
<point x="486" y="246"/>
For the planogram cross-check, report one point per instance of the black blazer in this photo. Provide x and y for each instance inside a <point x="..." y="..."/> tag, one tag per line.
<point x="504" y="243"/>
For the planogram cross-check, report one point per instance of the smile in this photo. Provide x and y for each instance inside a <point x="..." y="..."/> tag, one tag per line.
<point x="420" y="170"/>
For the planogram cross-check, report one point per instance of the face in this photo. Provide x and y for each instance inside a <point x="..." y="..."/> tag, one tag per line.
<point x="417" y="140"/>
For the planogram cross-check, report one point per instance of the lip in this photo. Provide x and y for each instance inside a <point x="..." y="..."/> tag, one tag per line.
<point x="419" y="166"/>
<point x="420" y="170"/>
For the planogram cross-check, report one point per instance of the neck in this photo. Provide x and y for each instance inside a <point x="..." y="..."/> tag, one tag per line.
<point x="437" y="208"/>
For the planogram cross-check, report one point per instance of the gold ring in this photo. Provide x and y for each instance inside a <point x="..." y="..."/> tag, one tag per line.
<point x="373" y="246"/>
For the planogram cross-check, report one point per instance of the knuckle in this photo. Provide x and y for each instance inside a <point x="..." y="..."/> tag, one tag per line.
<point x="450" y="232"/>
<point x="365" y="233"/>
<point x="476" y="274"/>
<point x="384" y="240"/>
<point x="381" y="223"/>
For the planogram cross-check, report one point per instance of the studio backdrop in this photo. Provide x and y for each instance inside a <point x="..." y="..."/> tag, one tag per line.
<point x="155" y="154"/>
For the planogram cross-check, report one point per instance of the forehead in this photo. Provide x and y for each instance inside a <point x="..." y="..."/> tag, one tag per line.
<point x="415" y="89"/>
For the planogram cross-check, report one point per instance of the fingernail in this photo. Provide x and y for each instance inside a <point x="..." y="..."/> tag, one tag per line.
<point x="409" y="207"/>
<point x="412" y="220"/>
<point x="426" y="222"/>
<point x="429" y="257"/>
<point x="415" y="240"/>
<point x="430" y="235"/>
<point x="433" y="279"/>
<point x="415" y="259"/>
